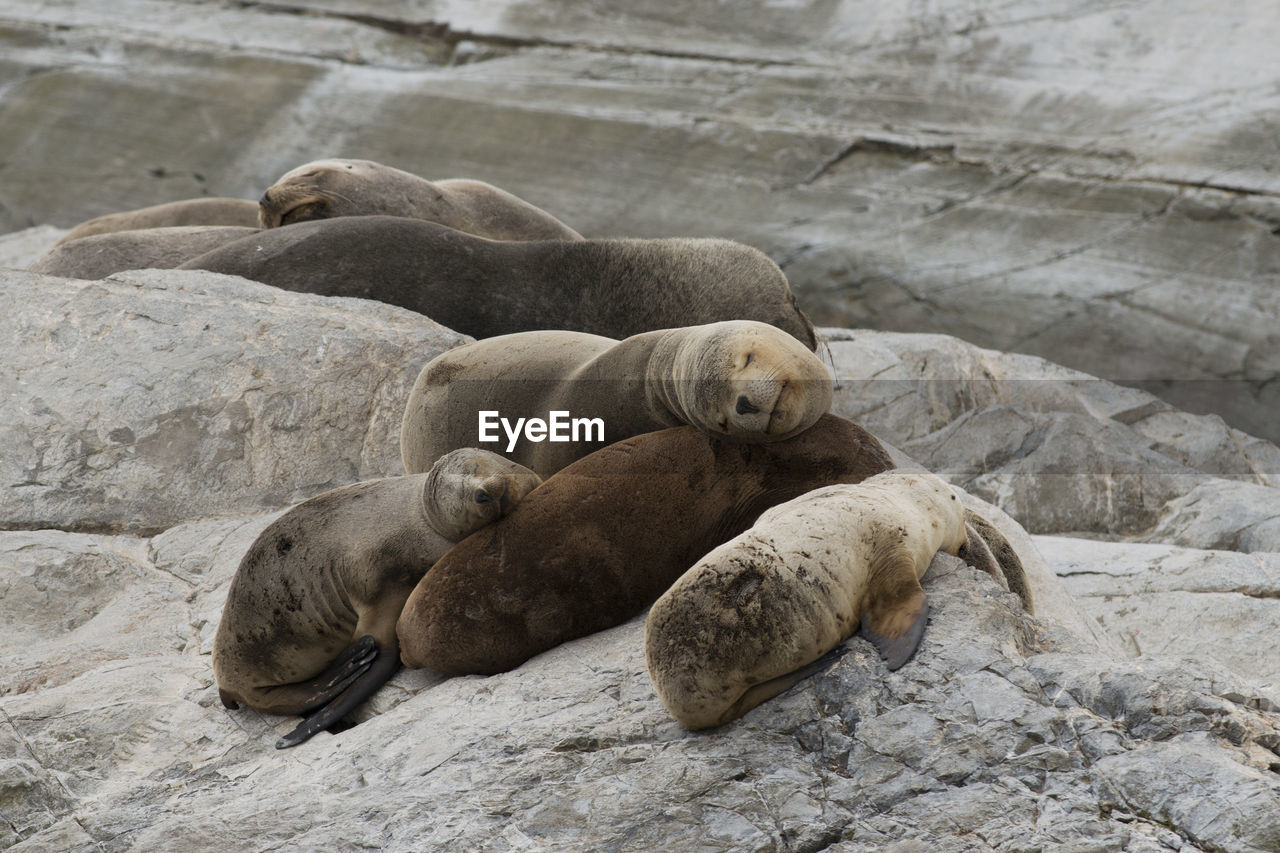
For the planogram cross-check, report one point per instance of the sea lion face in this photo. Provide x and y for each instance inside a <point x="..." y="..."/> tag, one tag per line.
<point x="751" y="381"/>
<point x="469" y="488"/>
<point x="324" y="189"/>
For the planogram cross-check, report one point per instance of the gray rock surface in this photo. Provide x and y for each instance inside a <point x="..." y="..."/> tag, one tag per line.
<point x="1061" y="451"/>
<point x="148" y="399"/>
<point x="1092" y="183"/>
<point x="1220" y="606"/>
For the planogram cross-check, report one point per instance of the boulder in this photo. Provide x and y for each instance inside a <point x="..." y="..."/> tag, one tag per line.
<point x="152" y="398"/>
<point x="1222" y="607"/>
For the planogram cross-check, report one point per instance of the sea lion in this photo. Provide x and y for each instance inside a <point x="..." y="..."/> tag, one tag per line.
<point x="309" y="626"/>
<point x="483" y="288"/>
<point x="192" y="211"/>
<point x="325" y="189"/>
<point x="99" y="255"/>
<point x="740" y="379"/>
<point x="600" y="540"/>
<point x="751" y="617"/>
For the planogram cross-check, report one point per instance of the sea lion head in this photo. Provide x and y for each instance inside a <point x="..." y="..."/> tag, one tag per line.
<point x="469" y="488"/>
<point x="323" y="189"/>
<point x="748" y="381"/>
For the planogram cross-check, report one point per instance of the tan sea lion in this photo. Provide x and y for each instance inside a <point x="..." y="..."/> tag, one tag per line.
<point x="192" y="211"/>
<point x="483" y="288"/>
<point x="601" y="539"/>
<point x="740" y="379"/>
<point x="309" y="626"/>
<point x="326" y="189"/>
<point x="751" y="617"/>
<point x="98" y="256"/>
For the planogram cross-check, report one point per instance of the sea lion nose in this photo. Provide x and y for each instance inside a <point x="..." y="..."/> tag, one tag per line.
<point x="744" y="406"/>
<point x="265" y="201"/>
<point x="483" y="497"/>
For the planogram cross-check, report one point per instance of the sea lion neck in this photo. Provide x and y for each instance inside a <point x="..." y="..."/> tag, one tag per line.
<point x="428" y="504"/>
<point x="664" y="377"/>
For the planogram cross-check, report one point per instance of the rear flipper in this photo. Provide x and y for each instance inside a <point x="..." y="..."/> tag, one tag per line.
<point x="384" y="664"/>
<point x="765" y="691"/>
<point x="1015" y="574"/>
<point x="976" y="552"/>
<point x="350" y="664"/>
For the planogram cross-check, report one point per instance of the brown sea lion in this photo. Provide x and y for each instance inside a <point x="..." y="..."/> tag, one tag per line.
<point x="326" y="189"/>
<point x="98" y="256"/>
<point x="748" y="620"/>
<point x="741" y="379"/>
<point x="192" y="211"/>
<point x="483" y="288"/>
<point x="600" y="540"/>
<point x="309" y="623"/>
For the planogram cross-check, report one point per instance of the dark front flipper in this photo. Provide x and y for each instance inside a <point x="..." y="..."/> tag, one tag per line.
<point x="765" y="691"/>
<point x="897" y="650"/>
<point x="1011" y="567"/>
<point x="364" y="685"/>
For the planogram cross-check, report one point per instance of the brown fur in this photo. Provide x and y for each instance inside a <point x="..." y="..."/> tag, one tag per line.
<point x="699" y="375"/>
<point x="483" y="288"/>
<point x="603" y="538"/>
<point x="339" y="567"/>
<point x="326" y="189"/>
<point x="98" y="256"/>
<point x="192" y="211"/>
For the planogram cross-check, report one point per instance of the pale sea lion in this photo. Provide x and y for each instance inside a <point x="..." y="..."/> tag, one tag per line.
<point x="740" y="379"/>
<point x="750" y="618"/>
<point x="599" y="541"/>
<point x="326" y="189"/>
<point x="98" y="256"/>
<point x="309" y="626"/>
<point x="192" y="211"/>
<point x="483" y="288"/>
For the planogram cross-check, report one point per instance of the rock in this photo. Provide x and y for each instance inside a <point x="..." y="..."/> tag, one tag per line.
<point x="20" y="248"/>
<point x="949" y="168"/>
<point x="148" y="399"/>
<point x="1221" y="514"/>
<point x="1061" y="451"/>
<point x="1219" y="606"/>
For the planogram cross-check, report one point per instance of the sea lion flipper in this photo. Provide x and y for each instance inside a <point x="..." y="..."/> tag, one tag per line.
<point x="376" y="674"/>
<point x="763" y="692"/>
<point x="896" y="651"/>
<point x="1002" y="552"/>
<point x="977" y="553"/>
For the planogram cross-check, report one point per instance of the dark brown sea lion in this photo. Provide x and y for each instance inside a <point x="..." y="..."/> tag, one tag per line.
<point x="600" y="540"/>
<point x="483" y="288"/>
<point x="325" y="189"/>
<point x="309" y="623"/>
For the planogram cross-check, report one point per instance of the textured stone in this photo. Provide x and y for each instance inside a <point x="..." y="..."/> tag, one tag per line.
<point x="1164" y="600"/>
<point x="148" y="399"/>
<point x="20" y="248"/>
<point x="1060" y="450"/>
